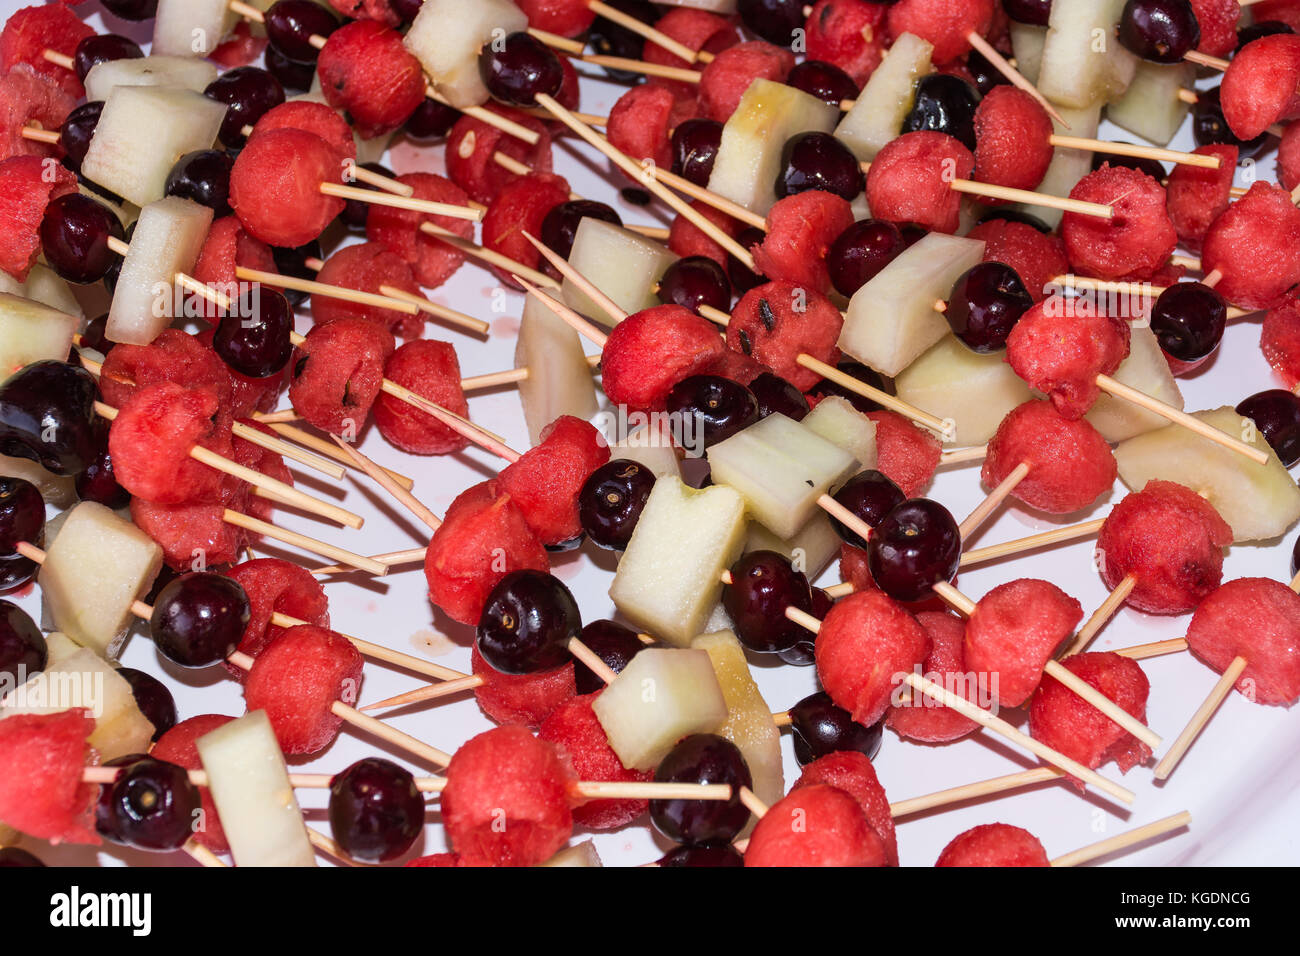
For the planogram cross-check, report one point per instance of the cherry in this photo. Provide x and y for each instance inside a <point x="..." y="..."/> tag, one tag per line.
<point x="406" y="10"/>
<point x="132" y="9"/>
<point x="776" y="396"/>
<point x="1276" y="413"/>
<point x="561" y="225"/>
<point x="820" y="728"/>
<point x="804" y="653"/>
<point x="519" y="68"/>
<point x="819" y="161"/>
<point x="944" y="104"/>
<point x="101" y="48"/>
<point x="693" y="282"/>
<point x="98" y="482"/>
<point x="47" y="415"/>
<point x="74" y="238"/>
<point x="376" y="811"/>
<point x="985" y="304"/>
<point x="1163" y="31"/>
<point x="695" y="145"/>
<point x="22" y="519"/>
<point x="1188" y="320"/>
<point x="431" y="120"/>
<point x="763" y="584"/>
<point x="702" y="758"/>
<point x="1034" y="12"/>
<point x="199" y="618"/>
<point x="917" y="546"/>
<point x="611" y="501"/>
<point x="826" y="81"/>
<point x="249" y="93"/>
<point x="152" y="805"/>
<point x="254" y="338"/>
<point x="293" y="77"/>
<point x="614" y="644"/>
<point x="714" y="856"/>
<point x="93" y="336"/>
<point x="871" y="496"/>
<point x="76" y="131"/>
<point x="985" y="74"/>
<point x="1295" y="558"/>
<point x="203" y="177"/>
<point x="22" y="645"/>
<point x="153" y="698"/>
<point x="608" y="38"/>
<point x="527" y="623"/>
<point x="717" y="407"/>
<point x="290" y="25"/>
<point x="13" y="857"/>
<point x="774" y="20"/>
<point x="860" y="252"/>
<point x="1209" y="126"/>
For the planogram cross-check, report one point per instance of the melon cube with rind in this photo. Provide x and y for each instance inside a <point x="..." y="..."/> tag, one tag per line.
<point x="878" y="113"/>
<point x="446" y="36"/>
<point x="559" y="379"/>
<point x="625" y="266"/>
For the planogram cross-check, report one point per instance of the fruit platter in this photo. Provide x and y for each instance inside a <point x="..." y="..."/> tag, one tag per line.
<point x="697" y="433"/>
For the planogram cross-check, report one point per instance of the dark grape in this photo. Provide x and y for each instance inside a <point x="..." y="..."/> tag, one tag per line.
<point x="860" y="252"/>
<point x="776" y="396"/>
<point x="431" y="120"/>
<point x="132" y="9"/>
<point x="696" y="281"/>
<point x="716" y="408"/>
<point x="290" y="25"/>
<point x="702" y="856"/>
<point x="152" y="805"/>
<point x="47" y="415"/>
<point x="917" y="546"/>
<point x="519" y="68"/>
<point x="254" y="338"/>
<point x="1034" y="12"/>
<point x="74" y="238"/>
<point x="871" y="496"/>
<point x="1276" y="413"/>
<point x="985" y="304"/>
<point x="22" y="520"/>
<point x="826" y="81"/>
<point x="819" y="728"/>
<point x="611" y="502"/>
<point x="76" y="131"/>
<point x="98" y="483"/>
<point x="561" y="225"/>
<point x="101" y="48"/>
<point x="1209" y="126"/>
<point x="199" y="618"/>
<point x="249" y="93"/>
<point x="614" y="644"/>
<point x="774" y="20"/>
<point x="1142" y="164"/>
<point x="204" y="178"/>
<point x="293" y="262"/>
<point x="1163" y="31"/>
<point x="742" y="277"/>
<point x="944" y="104"/>
<point x="763" y="584"/>
<point x="1188" y="320"/>
<point x="527" y="623"/>
<point x="607" y="38"/>
<point x="702" y="758"/>
<point x="819" y="161"/>
<point x="153" y="698"/>
<point x="695" y="145"/>
<point x="376" y="811"/>
<point x="23" y="653"/>
<point x="293" y="77"/>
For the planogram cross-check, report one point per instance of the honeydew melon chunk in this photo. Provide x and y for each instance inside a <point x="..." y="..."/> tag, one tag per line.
<point x="57" y="490"/>
<point x="623" y="265"/>
<point x="446" y="37"/>
<point x="1146" y="370"/>
<point x="192" y="28"/>
<point x="45" y="287"/>
<point x="668" y="579"/>
<point x="142" y="132"/>
<point x="811" y="549"/>
<point x="169" y="236"/>
<point x="753" y="138"/>
<point x="1027" y="43"/>
<point x="971" y="391"/>
<point x="31" y="331"/>
<point x="781" y="468"/>
<point x="836" y="420"/>
<point x="182" y="72"/>
<point x="250" y="786"/>
<point x="97" y="566"/>
<point x="1150" y="108"/>
<point x="1260" y="502"/>
<point x="84" y="679"/>
<point x="878" y="113"/>
<point x="559" y="379"/>
<point x="583" y="854"/>
<point x="892" y="320"/>
<point x="652" y="446"/>
<point x="1068" y="166"/>
<point x="749" y="724"/>
<point x="664" y="694"/>
<point x="1084" y="64"/>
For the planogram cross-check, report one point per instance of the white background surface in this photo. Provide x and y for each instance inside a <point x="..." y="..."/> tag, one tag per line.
<point x="1241" y="780"/>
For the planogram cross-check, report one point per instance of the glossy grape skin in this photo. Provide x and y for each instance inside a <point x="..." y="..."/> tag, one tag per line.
<point x="611" y="501"/>
<point x="607" y="38"/>
<point x="819" y="161"/>
<point x="519" y="69"/>
<point x="290" y="25"/>
<point x="717" y="407"/>
<point x="776" y="396"/>
<point x="47" y="415"/>
<point x="985" y="304"/>
<point x="74" y="238"/>
<point x="871" y="496"/>
<point x="984" y="73"/>
<point x="693" y="282"/>
<point x="702" y="758"/>
<point x="1188" y="320"/>
<point x="355" y="212"/>
<point x="132" y="9"/>
<point x="153" y="698"/>
<point x="1295" y="558"/>
<point x="1163" y="31"/>
<point x="944" y="104"/>
<point x="22" y="519"/>
<point x="376" y="811"/>
<point x="859" y="253"/>
<point x="1033" y="12"/>
<point x="1276" y="413"/>
<point x="203" y="177"/>
<point x="254" y="338"/>
<point x="431" y="120"/>
<point x="23" y="652"/>
<point x="917" y="546"/>
<point x="249" y="94"/>
<point x="76" y="131"/>
<point x="293" y="77"/>
<point x="614" y="644"/>
<point x="763" y="584"/>
<point x="527" y="623"/>
<point x="818" y="728"/>
<point x="1209" y="126"/>
<point x="98" y="482"/>
<point x="152" y="805"/>
<point x="199" y="618"/>
<point x="11" y="857"/>
<point x="774" y="20"/>
<point x="826" y="81"/>
<point x="102" y="48"/>
<point x="704" y="856"/>
<point x="695" y="149"/>
<point x="804" y="652"/>
<point x="560" y="225"/>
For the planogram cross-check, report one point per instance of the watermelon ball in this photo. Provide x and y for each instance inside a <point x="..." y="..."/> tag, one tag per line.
<point x="777" y="322"/>
<point x="568" y="18"/>
<point x="1014" y="631"/>
<point x="1262" y="85"/>
<point x="297" y="679"/>
<point x="174" y="356"/>
<point x="1218" y="20"/>
<point x="431" y="370"/>
<point x="695" y="29"/>
<point x="546" y="481"/>
<point x="277" y="587"/>
<point x="41" y="792"/>
<point x="1060" y="352"/>
<point x="507" y="799"/>
<point x="1070" y="465"/>
<point x="816" y="825"/>
<point x="339" y="372"/>
<point x="28" y="184"/>
<point x="1196" y="197"/>
<point x="436" y="859"/>
<point x="1258" y="619"/>
<point x="227" y="247"/>
<point x="472" y="146"/>
<point x="687" y="239"/>
<point x="651" y="351"/>
<point x="910" y="180"/>
<point x="574" y="729"/>
<point x="800" y="232"/>
<point x="186" y="529"/>
<point x="151" y="438"/>
<point x="867" y="626"/>
<point x="523" y="699"/>
<point x="908" y="454"/>
<point x="945" y="24"/>
<point x="725" y="80"/>
<point x="275" y="186"/>
<point x="1170" y="540"/>
<point x="1012" y="139"/>
<point x="27" y="98"/>
<point x="923" y="718"/>
<point x="179" y="746"/>
<point x="432" y="261"/>
<point x="1139" y="238"/>
<point x="312" y="117"/>
<point x="366" y="71"/>
<point x="639" y="124"/>
<point x="367" y="267"/>
<point x="853" y="773"/>
<point x="994" y="844"/>
<point x="848" y="34"/>
<point x="1255" y="244"/>
<point x="1035" y="256"/>
<point x="483" y="537"/>
<point x="1288" y="158"/>
<point x="29" y="32"/>
<point x="1279" y="340"/>
<point x="522" y="206"/>
<point x="1064" y="721"/>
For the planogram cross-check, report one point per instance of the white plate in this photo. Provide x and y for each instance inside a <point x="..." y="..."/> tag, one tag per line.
<point x="1240" y="780"/>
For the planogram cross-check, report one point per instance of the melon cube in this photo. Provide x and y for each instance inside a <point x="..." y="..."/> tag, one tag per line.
<point x="664" y="694"/>
<point x="811" y="549"/>
<point x="45" y="287"/>
<point x="57" y="490"/>
<point x="836" y="420"/>
<point x="446" y="37"/>
<point x="1150" y="108"/>
<point x="1027" y="43"/>
<point x="1084" y="64"/>
<point x="583" y="854"/>
<point x="30" y="332"/>
<point x="974" y="392"/>
<point x="651" y="445"/>
<point x="1146" y="370"/>
<point x="669" y="578"/>
<point x="625" y="266"/>
<point x="192" y="28"/>
<point x="182" y="72"/>
<point x="559" y="379"/>
<point x="878" y="113"/>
